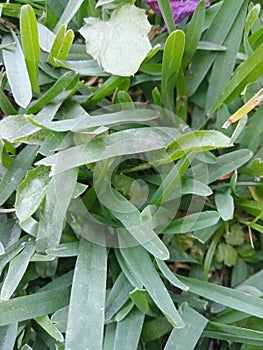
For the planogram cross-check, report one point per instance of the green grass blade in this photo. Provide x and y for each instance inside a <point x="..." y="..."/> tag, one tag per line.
<point x="65" y="46"/>
<point x="106" y="88"/>
<point x="234" y="334"/>
<point x="142" y="267"/>
<point x="141" y="231"/>
<point x="64" y="250"/>
<point x="216" y="33"/>
<point x="12" y="251"/>
<point x="225" y="164"/>
<point x="69" y="12"/>
<point x="57" y="44"/>
<point x="61" y="45"/>
<point x="117" y="296"/>
<point x="15" y="174"/>
<point x="60" y="85"/>
<point x="248" y="72"/>
<point x="126" y="142"/>
<point x="16" y="270"/>
<point x="31" y="192"/>
<point x="200" y="141"/>
<point x="156" y="328"/>
<point x="172" y="58"/>
<point x="49" y="327"/>
<point x="171" y="181"/>
<point x="193" y="33"/>
<point x="221" y="71"/>
<point x="84" y="121"/>
<point x="193" y="222"/>
<point x="187" y="337"/>
<point x="86" y="308"/>
<point x="8" y="336"/>
<point x="167" y="273"/>
<point x="16" y="71"/>
<point x="133" y="280"/>
<point x="226" y="296"/>
<point x="30" y="44"/>
<point x="127" y="336"/>
<point x="225" y="205"/>
<point x="31" y="306"/>
<point x="166" y="12"/>
<point x="16" y="126"/>
<point x="109" y="338"/>
<point x="6" y="105"/>
<point x="59" y="193"/>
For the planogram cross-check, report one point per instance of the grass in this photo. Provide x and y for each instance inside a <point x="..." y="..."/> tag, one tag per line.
<point x="130" y="219"/>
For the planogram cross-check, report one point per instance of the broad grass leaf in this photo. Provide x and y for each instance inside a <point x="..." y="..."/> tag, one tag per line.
<point x="124" y="311"/>
<point x="16" y="71"/>
<point x="168" y="274"/>
<point x="193" y="222"/>
<point x="130" y="217"/>
<point x="86" y="307"/>
<point x="109" y="337"/>
<point x="221" y="71"/>
<point x="200" y="141"/>
<point x="156" y="328"/>
<point x="84" y="121"/>
<point x="142" y="267"/>
<point x="127" y="336"/>
<point x="12" y="251"/>
<point x="235" y="334"/>
<point x="16" y="126"/>
<point x="46" y="37"/>
<point x="216" y="33"/>
<point x="112" y="42"/>
<point x="59" y="193"/>
<point x="67" y="80"/>
<point x="226" y="296"/>
<point x="16" y="270"/>
<point x="61" y="45"/>
<point x="117" y="296"/>
<point x="45" y="322"/>
<point x="172" y="59"/>
<point x="126" y="269"/>
<point x="31" y="306"/>
<point x="172" y="181"/>
<point x="8" y="336"/>
<point x="225" y="205"/>
<point x="193" y="33"/>
<point x="83" y="67"/>
<point x="141" y="299"/>
<point x="64" y="250"/>
<point x="6" y="105"/>
<point x="71" y="8"/>
<point x="31" y="192"/>
<point x="111" y="84"/>
<point x="16" y="172"/>
<point x="167" y="14"/>
<point x="187" y="337"/>
<point x="30" y="44"/>
<point x="9" y="231"/>
<point x="130" y="141"/>
<point x="225" y="164"/>
<point x="248" y="72"/>
<point x="251" y="206"/>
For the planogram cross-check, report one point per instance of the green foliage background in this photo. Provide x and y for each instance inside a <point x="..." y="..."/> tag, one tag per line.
<point x="65" y="122"/>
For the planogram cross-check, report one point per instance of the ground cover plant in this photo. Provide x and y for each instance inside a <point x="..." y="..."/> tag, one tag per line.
<point x="129" y="218"/>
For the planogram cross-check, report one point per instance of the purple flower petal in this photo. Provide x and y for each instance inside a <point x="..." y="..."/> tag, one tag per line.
<point x="180" y="8"/>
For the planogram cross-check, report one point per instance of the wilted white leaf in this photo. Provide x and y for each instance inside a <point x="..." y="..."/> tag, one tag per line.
<point x="120" y="44"/>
